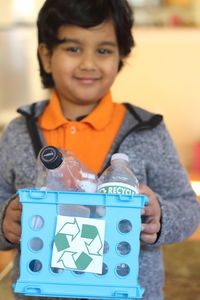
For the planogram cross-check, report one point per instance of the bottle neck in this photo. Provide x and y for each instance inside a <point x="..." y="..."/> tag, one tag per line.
<point x="117" y="162"/>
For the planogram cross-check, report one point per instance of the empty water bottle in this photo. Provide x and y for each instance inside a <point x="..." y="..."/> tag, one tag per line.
<point x="118" y="178"/>
<point x="59" y="170"/>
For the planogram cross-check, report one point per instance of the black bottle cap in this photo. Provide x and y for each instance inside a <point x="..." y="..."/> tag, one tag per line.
<point x="51" y="157"/>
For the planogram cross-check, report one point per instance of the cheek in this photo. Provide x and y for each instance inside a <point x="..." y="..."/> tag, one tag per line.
<point x="59" y="75"/>
<point x="59" y="64"/>
<point x="112" y="71"/>
<point x="60" y="70"/>
<point x="113" y="65"/>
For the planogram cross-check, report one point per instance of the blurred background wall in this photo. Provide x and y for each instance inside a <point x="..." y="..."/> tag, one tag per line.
<point x="161" y="75"/>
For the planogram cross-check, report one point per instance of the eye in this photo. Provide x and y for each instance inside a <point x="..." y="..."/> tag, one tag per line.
<point x="73" y="49"/>
<point x="104" y="51"/>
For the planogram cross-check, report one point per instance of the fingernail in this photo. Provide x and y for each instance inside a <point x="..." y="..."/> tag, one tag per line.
<point x="142" y="227"/>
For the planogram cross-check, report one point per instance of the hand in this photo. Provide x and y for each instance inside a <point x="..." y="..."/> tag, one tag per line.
<point x="11" y="223"/>
<point x="152" y="212"/>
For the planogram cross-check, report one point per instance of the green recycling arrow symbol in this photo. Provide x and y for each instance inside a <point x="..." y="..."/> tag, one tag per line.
<point x="72" y="241"/>
<point x="68" y="229"/>
<point x="95" y="245"/>
<point x="81" y="263"/>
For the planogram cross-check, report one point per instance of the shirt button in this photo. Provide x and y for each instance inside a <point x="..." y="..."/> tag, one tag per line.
<point x="73" y="129"/>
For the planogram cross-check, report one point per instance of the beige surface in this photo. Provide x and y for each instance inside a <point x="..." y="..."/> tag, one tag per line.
<point x="6" y="289"/>
<point x="6" y="263"/>
<point x="6" y="258"/>
<point x="163" y="75"/>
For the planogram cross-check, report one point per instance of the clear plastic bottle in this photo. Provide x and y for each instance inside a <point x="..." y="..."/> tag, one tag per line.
<point x="59" y="170"/>
<point x="118" y="178"/>
<point x="51" y="170"/>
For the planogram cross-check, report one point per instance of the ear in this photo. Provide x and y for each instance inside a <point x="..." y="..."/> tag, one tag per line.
<point x="45" y="57"/>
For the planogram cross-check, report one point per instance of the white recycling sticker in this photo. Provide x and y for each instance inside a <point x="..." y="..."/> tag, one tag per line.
<point x="78" y="244"/>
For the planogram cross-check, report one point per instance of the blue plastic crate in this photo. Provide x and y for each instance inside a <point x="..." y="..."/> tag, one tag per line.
<point x="120" y="272"/>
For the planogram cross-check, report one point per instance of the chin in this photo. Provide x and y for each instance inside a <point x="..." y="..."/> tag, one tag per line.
<point x="88" y="100"/>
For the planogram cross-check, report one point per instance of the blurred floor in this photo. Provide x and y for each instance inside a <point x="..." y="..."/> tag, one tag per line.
<point x="5" y="288"/>
<point x="6" y="259"/>
<point x="6" y="264"/>
<point x="182" y="262"/>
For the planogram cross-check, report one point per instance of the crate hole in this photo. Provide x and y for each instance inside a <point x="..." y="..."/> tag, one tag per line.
<point x="106" y="247"/>
<point x="78" y="272"/>
<point x="104" y="269"/>
<point x="57" y="270"/>
<point x="36" y="244"/>
<point x="123" y="248"/>
<point x="37" y="222"/>
<point x="125" y="226"/>
<point x="123" y="270"/>
<point x="35" y="265"/>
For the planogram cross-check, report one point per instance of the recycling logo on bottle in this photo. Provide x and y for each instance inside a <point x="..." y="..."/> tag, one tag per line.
<point x="118" y="188"/>
<point x="78" y="244"/>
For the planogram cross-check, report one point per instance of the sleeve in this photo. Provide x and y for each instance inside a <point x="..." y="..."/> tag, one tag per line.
<point x="7" y="190"/>
<point x="169" y="180"/>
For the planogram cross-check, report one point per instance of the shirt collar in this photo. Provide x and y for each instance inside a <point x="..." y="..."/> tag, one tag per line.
<point x="53" y="117"/>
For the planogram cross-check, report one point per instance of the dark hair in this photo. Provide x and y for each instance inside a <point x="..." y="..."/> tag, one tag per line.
<point x="83" y="13"/>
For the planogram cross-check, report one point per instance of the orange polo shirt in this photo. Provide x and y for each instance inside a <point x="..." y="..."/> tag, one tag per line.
<point x="89" y="139"/>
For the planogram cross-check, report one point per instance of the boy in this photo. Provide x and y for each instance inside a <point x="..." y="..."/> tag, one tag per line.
<point x="82" y="46"/>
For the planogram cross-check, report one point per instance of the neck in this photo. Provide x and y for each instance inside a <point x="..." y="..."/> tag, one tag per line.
<point x="72" y="111"/>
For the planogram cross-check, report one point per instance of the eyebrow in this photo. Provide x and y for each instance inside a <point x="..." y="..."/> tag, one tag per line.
<point x="70" y="41"/>
<point x="108" y="43"/>
<point x="76" y="41"/>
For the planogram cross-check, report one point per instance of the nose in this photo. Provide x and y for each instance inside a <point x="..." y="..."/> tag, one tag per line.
<point x="88" y="61"/>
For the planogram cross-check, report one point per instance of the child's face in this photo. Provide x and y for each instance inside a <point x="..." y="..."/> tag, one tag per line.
<point x="85" y="65"/>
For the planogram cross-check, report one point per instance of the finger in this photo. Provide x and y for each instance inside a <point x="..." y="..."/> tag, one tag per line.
<point x="145" y="190"/>
<point x="141" y="243"/>
<point x="151" y="228"/>
<point x="13" y="228"/>
<point x="15" y="215"/>
<point x="13" y="238"/>
<point x="17" y="230"/>
<point x="15" y="204"/>
<point x="150" y="210"/>
<point x="153" y="209"/>
<point x="148" y="238"/>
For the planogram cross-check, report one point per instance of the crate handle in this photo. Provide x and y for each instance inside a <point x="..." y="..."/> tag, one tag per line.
<point x="120" y="294"/>
<point x="36" y="194"/>
<point x="125" y="199"/>
<point x="31" y="290"/>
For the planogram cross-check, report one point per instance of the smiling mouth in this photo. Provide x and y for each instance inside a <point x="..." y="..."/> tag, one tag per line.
<point x="87" y="80"/>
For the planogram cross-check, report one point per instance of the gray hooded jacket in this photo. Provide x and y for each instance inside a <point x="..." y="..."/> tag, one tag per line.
<point x="153" y="158"/>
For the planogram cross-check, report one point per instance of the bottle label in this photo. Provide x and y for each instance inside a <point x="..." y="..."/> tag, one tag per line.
<point x="117" y="188"/>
